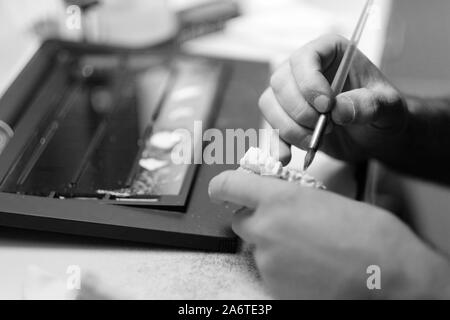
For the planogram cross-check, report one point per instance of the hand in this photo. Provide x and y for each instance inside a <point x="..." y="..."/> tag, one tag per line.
<point x="369" y="112"/>
<point x="314" y="244"/>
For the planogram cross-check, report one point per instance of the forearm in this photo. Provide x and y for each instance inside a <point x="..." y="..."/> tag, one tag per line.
<point x="423" y="146"/>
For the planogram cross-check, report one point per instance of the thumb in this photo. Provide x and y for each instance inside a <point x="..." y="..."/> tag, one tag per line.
<point x="382" y="106"/>
<point x="359" y="106"/>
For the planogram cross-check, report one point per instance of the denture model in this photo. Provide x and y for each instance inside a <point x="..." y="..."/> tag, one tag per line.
<point x="260" y="162"/>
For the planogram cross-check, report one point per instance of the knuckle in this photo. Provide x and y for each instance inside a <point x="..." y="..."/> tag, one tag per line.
<point x="300" y="52"/>
<point x="392" y="96"/>
<point x="305" y="114"/>
<point x="339" y="42"/>
<point x="263" y="100"/>
<point x="304" y="83"/>
<point x="294" y="134"/>
<point x="298" y="112"/>
<point x="298" y="61"/>
<point x="330" y="38"/>
<point x="289" y="133"/>
<point x="277" y="82"/>
<point x="297" y="56"/>
<point x="333" y="37"/>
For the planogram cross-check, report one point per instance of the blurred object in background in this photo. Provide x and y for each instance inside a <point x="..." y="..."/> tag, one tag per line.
<point x="141" y="23"/>
<point x="132" y="23"/>
<point x="271" y="30"/>
<point x="42" y="18"/>
<point x="76" y="16"/>
<point x="198" y="18"/>
<point x="24" y="24"/>
<point x="40" y="284"/>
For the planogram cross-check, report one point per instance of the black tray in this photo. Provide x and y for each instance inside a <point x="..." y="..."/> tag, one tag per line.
<point x="38" y="192"/>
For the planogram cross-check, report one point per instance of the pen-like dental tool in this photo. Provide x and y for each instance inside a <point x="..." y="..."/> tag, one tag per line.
<point x="337" y="84"/>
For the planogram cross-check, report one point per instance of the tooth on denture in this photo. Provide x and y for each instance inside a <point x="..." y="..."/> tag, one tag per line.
<point x="260" y="162"/>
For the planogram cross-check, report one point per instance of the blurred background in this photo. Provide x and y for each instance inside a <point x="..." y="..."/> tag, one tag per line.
<point x="415" y="48"/>
<point x="245" y="29"/>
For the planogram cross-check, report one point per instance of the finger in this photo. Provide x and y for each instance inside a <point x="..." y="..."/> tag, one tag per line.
<point x="291" y="100"/>
<point x="305" y="143"/>
<point x="290" y="131"/>
<point x="308" y="66"/>
<point x="277" y="148"/>
<point x="245" y="189"/>
<point x="280" y="150"/>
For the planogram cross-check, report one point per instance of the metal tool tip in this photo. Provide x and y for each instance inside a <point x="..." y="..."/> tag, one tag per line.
<point x="309" y="159"/>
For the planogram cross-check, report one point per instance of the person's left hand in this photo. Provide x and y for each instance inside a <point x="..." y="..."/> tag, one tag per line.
<point x="315" y="244"/>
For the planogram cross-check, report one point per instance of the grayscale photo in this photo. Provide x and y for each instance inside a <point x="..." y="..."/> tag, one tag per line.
<point x="226" y="158"/>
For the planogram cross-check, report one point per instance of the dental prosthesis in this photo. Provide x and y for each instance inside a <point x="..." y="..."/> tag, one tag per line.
<point x="260" y="162"/>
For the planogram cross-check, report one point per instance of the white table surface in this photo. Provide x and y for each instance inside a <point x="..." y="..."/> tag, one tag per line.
<point x="146" y="272"/>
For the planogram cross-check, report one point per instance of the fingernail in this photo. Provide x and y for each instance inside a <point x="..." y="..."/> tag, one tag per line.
<point x="347" y="111"/>
<point x="322" y="103"/>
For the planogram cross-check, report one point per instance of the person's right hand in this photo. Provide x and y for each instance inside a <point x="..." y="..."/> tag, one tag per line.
<point x="367" y="114"/>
